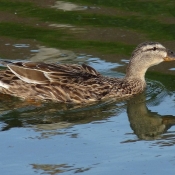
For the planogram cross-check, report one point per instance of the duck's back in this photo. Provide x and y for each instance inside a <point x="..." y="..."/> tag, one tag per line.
<point x="56" y="82"/>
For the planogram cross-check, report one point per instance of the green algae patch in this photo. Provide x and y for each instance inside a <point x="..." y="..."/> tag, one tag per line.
<point x="60" y="39"/>
<point x="144" y="7"/>
<point x="152" y="28"/>
<point x="22" y="31"/>
<point x="66" y="39"/>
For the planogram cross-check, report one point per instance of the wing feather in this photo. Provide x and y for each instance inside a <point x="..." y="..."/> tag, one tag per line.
<point x="42" y="73"/>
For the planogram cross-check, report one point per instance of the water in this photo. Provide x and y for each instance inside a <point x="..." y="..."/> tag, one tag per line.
<point x="107" y="137"/>
<point x="136" y="136"/>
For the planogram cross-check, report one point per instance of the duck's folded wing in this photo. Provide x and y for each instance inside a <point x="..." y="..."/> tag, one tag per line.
<point x="42" y="73"/>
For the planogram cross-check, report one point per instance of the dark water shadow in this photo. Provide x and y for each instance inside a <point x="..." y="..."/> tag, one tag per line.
<point x="54" y="115"/>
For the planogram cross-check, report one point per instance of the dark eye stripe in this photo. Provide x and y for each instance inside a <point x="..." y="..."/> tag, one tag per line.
<point x="155" y="48"/>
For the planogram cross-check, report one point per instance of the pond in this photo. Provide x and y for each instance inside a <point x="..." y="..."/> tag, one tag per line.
<point x="135" y="136"/>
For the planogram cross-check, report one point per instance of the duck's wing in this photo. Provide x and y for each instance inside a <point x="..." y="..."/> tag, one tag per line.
<point x="42" y="73"/>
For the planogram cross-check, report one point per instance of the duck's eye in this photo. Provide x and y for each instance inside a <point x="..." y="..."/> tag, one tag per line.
<point x="154" y="48"/>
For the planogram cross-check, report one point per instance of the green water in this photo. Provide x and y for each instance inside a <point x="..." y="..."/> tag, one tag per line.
<point x="113" y="137"/>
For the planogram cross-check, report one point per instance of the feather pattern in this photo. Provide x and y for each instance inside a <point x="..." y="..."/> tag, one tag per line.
<point x="61" y="83"/>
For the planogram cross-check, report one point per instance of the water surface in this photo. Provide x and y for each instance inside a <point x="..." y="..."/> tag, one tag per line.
<point x="135" y="136"/>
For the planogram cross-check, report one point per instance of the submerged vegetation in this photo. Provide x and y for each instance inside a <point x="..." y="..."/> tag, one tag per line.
<point x="154" y="28"/>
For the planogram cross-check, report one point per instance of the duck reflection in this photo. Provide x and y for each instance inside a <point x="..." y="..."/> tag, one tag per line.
<point x="50" y="118"/>
<point x="47" y="117"/>
<point x="147" y="125"/>
<point x="58" y="168"/>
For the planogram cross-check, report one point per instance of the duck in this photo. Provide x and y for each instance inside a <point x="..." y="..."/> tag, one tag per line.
<point x="74" y="83"/>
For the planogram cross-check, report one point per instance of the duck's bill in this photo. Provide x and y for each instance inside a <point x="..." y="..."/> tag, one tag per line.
<point x="170" y="56"/>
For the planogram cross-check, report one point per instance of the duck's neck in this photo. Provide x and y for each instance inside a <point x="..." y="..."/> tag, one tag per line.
<point x="136" y="71"/>
<point x="139" y="64"/>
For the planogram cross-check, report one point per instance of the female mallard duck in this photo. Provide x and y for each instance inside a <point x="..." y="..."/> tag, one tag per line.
<point x="80" y="83"/>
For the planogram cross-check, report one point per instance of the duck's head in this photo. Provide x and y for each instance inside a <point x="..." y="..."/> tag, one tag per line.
<point x="146" y="55"/>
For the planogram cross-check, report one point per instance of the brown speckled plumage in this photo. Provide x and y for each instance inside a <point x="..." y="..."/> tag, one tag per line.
<point x="76" y="83"/>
